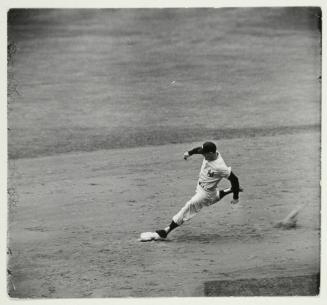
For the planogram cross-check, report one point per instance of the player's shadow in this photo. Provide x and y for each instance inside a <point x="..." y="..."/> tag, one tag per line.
<point x="224" y="236"/>
<point x="200" y="238"/>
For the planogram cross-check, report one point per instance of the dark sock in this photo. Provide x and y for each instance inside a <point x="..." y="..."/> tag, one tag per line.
<point x="172" y="226"/>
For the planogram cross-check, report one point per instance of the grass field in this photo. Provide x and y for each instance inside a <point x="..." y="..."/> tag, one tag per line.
<point x="152" y="83"/>
<point x="99" y="79"/>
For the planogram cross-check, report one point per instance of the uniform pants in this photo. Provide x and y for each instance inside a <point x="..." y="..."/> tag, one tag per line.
<point x="195" y="204"/>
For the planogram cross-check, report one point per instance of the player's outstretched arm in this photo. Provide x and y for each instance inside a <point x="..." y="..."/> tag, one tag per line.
<point x="235" y="187"/>
<point x="196" y="150"/>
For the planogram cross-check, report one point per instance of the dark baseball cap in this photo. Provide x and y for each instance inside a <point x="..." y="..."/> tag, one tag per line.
<point x="208" y="147"/>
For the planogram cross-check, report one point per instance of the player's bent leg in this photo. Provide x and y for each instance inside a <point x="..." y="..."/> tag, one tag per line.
<point x="222" y="193"/>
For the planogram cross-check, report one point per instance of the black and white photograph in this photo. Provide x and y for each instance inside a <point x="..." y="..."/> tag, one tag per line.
<point x="160" y="152"/>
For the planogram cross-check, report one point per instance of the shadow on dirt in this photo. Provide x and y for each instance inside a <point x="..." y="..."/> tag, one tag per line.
<point x="217" y="237"/>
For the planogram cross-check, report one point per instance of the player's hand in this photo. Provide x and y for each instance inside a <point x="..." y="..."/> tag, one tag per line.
<point x="186" y="155"/>
<point x="234" y="201"/>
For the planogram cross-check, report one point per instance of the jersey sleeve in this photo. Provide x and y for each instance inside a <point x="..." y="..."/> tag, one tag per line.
<point x="195" y="151"/>
<point x="223" y="172"/>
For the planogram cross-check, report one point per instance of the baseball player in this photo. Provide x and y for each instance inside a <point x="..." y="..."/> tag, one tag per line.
<point x="213" y="169"/>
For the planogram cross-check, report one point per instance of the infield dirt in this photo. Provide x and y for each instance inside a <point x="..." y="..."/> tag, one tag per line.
<point x="74" y="231"/>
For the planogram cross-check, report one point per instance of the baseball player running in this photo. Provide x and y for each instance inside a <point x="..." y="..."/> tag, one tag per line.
<point x="213" y="169"/>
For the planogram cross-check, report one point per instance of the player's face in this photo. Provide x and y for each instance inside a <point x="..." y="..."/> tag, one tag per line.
<point x="210" y="156"/>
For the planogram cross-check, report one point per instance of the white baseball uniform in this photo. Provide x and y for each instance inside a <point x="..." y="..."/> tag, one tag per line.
<point x="206" y="193"/>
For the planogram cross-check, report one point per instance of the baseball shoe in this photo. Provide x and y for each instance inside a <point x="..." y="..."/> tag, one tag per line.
<point x="162" y="233"/>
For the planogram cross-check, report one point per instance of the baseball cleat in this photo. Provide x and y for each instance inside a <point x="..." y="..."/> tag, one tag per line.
<point x="162" y="233"/>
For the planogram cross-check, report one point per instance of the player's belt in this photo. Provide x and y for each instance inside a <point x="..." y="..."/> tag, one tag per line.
<point x="204" y="188"/>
